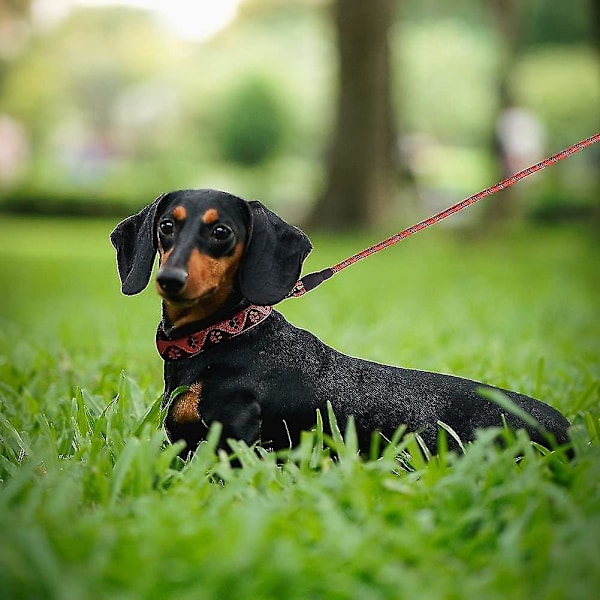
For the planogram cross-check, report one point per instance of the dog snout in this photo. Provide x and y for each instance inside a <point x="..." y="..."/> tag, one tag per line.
<point x="171" y="281"/>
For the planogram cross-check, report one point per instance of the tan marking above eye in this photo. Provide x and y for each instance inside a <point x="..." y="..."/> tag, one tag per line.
<point x="179" y="213"/>
<point x="210" y="216"/>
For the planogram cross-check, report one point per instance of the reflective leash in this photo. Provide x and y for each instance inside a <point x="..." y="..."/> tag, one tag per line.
<point x="312" y="280"/>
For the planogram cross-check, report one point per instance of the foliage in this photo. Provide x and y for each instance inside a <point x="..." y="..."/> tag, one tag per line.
<point x="435" y="100"/>
<point x="77" y="71"/>
<point x="558" y="23"/>
<point x="561" y="86"/>
<point x="543" y="23"/>
<point x="93" y="503"/>
<point x="251" y="122"/>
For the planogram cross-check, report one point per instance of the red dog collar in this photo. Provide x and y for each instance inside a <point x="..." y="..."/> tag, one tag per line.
<point x="193" y="344"/>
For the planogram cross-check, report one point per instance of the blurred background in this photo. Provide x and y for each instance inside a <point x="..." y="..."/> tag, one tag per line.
<point x="336" y="113"/>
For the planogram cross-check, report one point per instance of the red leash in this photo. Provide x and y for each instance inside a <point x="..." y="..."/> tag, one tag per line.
<point x="312" y="280"/>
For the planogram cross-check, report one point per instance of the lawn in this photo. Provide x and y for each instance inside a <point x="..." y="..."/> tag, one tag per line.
<point x="93" y="503"/>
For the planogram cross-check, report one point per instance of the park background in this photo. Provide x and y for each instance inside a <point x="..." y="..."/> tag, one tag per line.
<point x="105" y="105"/>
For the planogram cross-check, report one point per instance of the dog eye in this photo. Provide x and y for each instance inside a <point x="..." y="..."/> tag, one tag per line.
<point x="167" y="227"/>
<point x="221" y="232"/>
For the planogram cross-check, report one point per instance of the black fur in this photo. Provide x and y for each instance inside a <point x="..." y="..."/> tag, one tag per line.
<point x="266" y="385"/>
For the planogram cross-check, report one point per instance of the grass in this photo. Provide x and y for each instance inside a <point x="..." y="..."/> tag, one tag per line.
<point x="93" y="503"/>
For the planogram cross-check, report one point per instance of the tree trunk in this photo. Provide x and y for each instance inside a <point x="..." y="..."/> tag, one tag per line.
<point x="359" y="185"/>
<point x="507" y="18"/>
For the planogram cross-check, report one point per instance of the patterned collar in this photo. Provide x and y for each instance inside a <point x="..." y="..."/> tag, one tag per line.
<point x="195" y="343"/>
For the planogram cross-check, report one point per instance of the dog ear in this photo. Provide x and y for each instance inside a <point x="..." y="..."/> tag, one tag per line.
<point x="135" y="243"/>
<point x="273" y="257"/>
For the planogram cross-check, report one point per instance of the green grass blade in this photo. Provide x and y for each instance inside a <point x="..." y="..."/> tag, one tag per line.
<point x="509" y="406"/>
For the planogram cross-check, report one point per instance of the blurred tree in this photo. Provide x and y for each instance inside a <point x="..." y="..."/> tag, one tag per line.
<point x="519" y="133"/>
<point x="560" y="23"/>
<point x="14" y="9"/>
<point x="360" y="164"/>
<point x="67" y="73"/>
<point x="595" y="11"/>
<point x="251" y="122"/>
<point x="14" y="15"/>
<point x="507" y="18"/>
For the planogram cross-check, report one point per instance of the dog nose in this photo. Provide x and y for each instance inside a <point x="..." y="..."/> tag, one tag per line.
<point x="171" y="281"/>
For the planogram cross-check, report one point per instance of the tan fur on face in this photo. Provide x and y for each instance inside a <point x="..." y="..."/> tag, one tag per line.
<point x="184" y="408"/>
<point x="162" y="255"/>
<point x="210" y="216"/>
<point x="210" y="281"/>
<point x="179" y="213"/>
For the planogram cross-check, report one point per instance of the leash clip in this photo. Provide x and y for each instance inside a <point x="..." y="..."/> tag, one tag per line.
<point x="310" y="282"/>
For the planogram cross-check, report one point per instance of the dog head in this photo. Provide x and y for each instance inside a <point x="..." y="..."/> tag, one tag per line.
<point x="210" y="244"/>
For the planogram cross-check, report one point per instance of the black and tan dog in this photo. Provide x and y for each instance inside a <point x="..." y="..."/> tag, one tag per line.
<point x="223" y="263"/>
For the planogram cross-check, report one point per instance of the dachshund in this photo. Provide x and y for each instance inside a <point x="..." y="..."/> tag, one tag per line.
<point x="229" y="357"/>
